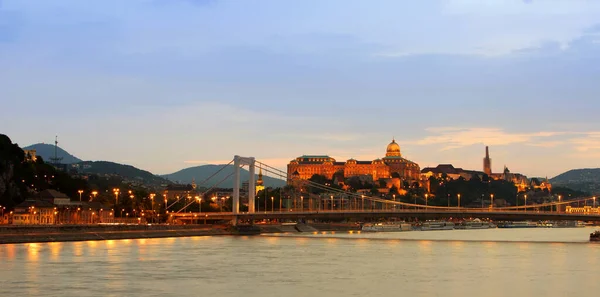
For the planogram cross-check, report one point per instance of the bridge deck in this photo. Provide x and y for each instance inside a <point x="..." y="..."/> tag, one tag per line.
<point x="373" y="214"/>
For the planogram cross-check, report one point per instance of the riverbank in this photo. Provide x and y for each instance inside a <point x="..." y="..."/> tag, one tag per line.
<point x="62" y="233"/>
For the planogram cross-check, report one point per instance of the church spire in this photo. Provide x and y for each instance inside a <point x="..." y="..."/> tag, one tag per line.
<point x="260" y="181"/>
<point x="487" y="162"/>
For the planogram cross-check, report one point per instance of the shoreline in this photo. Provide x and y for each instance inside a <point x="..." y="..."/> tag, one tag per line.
<point x="70" y="233"/>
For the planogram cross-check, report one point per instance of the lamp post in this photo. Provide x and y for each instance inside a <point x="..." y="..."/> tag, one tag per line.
<point x="331" y="202"/>
<point x="116" y="191"/>
<point x="394" y="201"/>
<point x="525" y="202"/>
<point x="165" y="198"/>
<point x="94" y="194"/>
<point x="594" y="199"/>
<point x="272" y="204"/>
<point x="458" y="201"/>
<point x="222" y="202"/>
<point x="558" y="205"/>
<point x="363" y="202"/>
<point x="280" y="202"/>
<point x="199" y="203"/>
<point x="132" y="203"/>
<point x="152" y="195"/>
<point x="301" y="203"/>
<point x="492" y="201"/>
<point x="426" y="196"/>
<point x="80" y="192"/>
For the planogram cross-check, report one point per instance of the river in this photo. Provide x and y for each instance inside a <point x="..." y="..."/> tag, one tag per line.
<point x="495" y="262"/>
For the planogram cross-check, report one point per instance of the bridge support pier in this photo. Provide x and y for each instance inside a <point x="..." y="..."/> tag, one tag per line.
<point x="238" y="162"/>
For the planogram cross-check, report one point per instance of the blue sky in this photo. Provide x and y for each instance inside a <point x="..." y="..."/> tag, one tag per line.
<point x="168" y="84"/>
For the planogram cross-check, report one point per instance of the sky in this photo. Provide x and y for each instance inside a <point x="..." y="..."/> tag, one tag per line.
<point x="169" y="84"/>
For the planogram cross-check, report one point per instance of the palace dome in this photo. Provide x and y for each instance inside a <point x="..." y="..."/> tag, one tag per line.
<point x="393" y="149"/>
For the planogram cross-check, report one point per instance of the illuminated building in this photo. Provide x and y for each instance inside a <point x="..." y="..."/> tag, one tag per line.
<point x="30" y="155"/>
<point x="393" y="165"/>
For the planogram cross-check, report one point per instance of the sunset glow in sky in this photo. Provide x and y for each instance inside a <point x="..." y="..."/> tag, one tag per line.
<point x="168" y="84"/>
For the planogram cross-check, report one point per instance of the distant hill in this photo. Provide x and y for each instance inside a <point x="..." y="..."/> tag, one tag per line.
<point x="587" y="180"/>
<point x="127" y="172"/>
<point x="46" y="151"/>
<point x="200" y="173"/>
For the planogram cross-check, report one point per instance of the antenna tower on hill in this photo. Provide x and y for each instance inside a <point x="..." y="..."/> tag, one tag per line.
<point x="55" y="160"/>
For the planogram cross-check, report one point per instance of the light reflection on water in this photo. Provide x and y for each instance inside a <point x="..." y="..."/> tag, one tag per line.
<point x="446" y="263"/>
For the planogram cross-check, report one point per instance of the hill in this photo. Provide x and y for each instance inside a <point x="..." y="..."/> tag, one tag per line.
<point x="46" y="151"/>
<point x="127" y="172"/>
<point x="20" y="177"/>
<point x="200" y="173"/>
<point x="587" y="180"/>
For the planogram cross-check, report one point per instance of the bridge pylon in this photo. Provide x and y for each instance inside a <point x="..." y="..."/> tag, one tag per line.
<point x="238" y="162"/>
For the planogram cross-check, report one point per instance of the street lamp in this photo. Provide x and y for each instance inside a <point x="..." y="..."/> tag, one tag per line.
<point x="426" y="196"/>
<point x="116" y="191"/>
<point x="199" y="204"/>
<point x="165" y="196"/>
<point x="558" y="205"/>
<point x="80" y="192"/>
<point x="492" y="201"/>
<point x="594" y="198"/>
<point x="272" y="204"/>
<point x="363" y="202"/>
<point x="394" y="201"/>
<point x="152" y="195"/>
<point x="331" y="202"/>
<point x="94" y="194"/>
<point x="458" y="200"/>
<point x="525" y="202"/>
<point x="301" y="203"/>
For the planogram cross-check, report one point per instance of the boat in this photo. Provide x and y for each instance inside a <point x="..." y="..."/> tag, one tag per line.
<point x="386" y="227"/>
<point x="568" y="224"/>
<point x="520" y="224"/>
<point x="595" y="236"/>
<point x="244" y="230"/>
<point x="437" y="225"/>
<point x="474" y="224"/>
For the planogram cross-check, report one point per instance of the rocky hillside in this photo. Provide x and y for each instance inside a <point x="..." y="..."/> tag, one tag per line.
<point x="586" y="180"/>
<point x="127" y="172"/>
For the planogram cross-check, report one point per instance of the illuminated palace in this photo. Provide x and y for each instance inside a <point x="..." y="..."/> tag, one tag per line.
<point x="391" y="166"/>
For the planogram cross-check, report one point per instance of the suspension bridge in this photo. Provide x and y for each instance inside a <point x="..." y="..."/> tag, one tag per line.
<point x="337" y="204"/>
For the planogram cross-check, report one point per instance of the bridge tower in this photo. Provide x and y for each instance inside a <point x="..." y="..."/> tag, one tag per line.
<point x="238" y="162"/>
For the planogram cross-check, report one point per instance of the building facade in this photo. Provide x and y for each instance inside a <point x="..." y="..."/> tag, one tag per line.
<point x="392" y="165"/>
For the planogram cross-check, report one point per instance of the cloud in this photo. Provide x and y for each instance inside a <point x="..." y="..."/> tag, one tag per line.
<point x="455" y="137"/>
<point x="546" y="144"/>
<point x="590" y="143"/>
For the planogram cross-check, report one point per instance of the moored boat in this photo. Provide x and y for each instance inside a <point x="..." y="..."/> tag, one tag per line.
<point x="474" y="224"/>
<point x="521" y="224"/>
<point x="568" y="224"/>
<point x="244" y="230"/>
<point x="595" y="236"/>
<point x="386" y="227"/>
<point x="437" y="225"/>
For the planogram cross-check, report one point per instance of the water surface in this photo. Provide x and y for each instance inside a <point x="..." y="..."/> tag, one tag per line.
<point x="495" y="262"/>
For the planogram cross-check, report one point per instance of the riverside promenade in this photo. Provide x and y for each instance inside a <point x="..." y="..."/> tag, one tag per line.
<point x="61" y="233"/>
